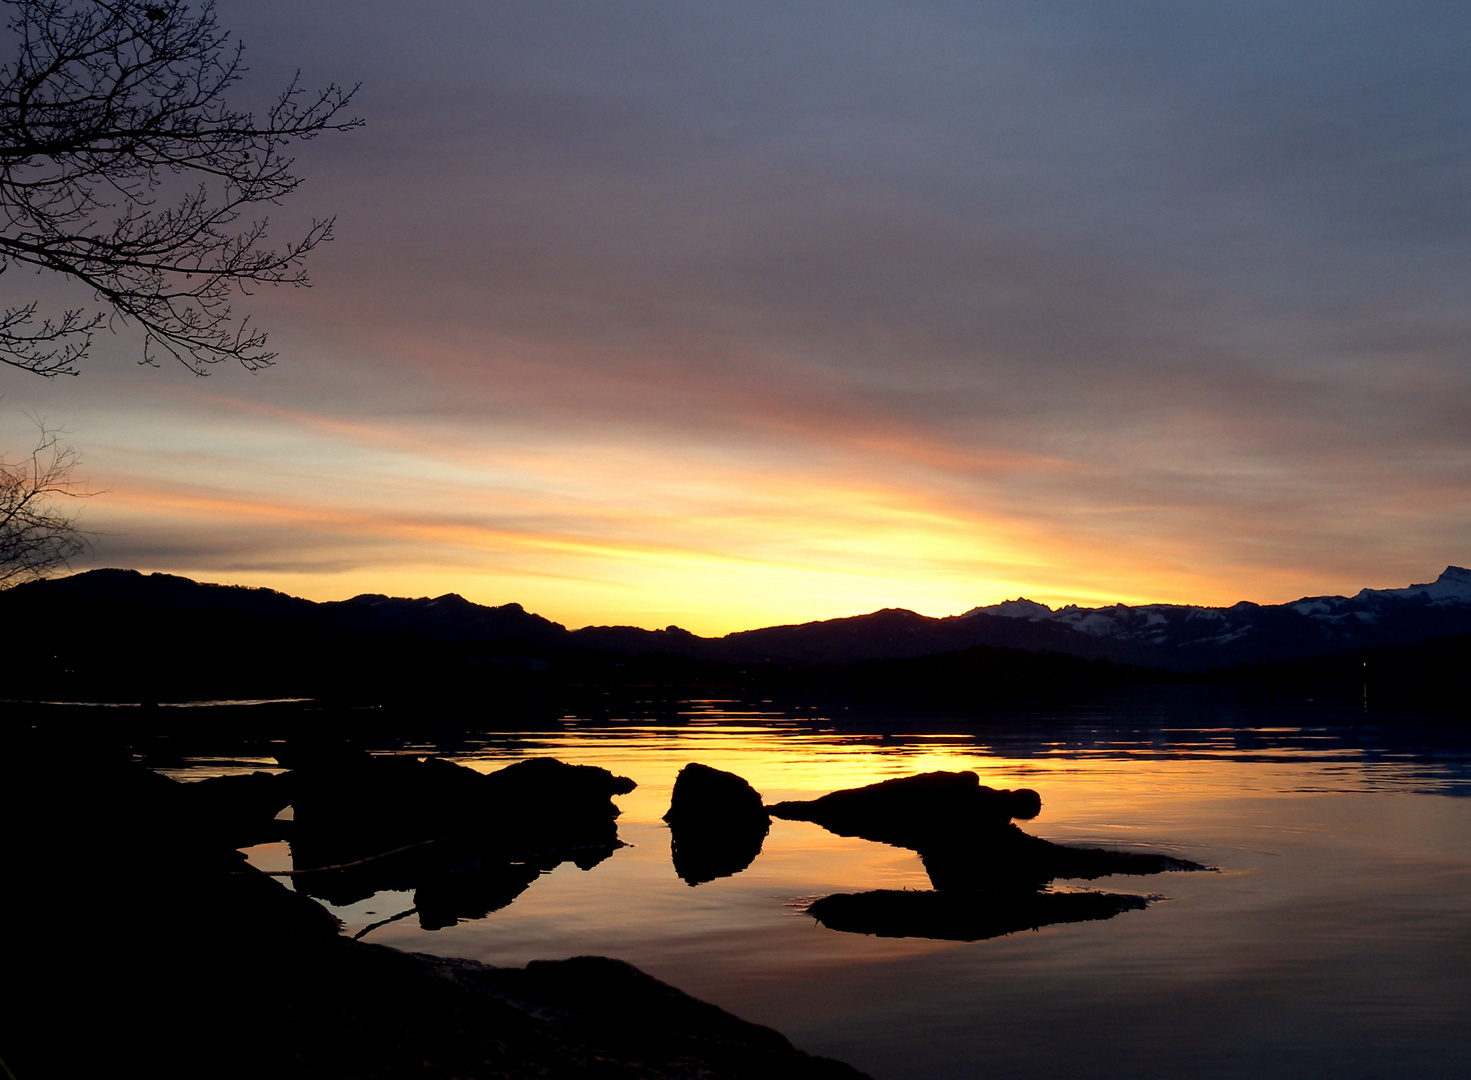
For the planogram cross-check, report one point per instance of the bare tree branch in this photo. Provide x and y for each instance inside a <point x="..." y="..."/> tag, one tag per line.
<point x="121" y="168"/>
<point x="36" y="537"/>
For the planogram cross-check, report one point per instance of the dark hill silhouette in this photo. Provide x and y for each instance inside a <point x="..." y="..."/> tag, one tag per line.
<point x="444" y="618"/>
<point x="129" y="588"/>
<point x="1170" y="636"/>
<point x="122" y="635"/>
<point x="634" y="640"/>
<point x="897" y="633"/>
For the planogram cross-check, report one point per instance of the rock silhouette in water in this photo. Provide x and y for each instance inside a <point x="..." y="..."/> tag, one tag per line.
<point x="466" y="843"/>
<point x="964" y="916"/>
<point x="914" y="810"/>
<point x="364" y="804"/>
<point x="963" y="832"/>
<point x="988" y="874"/>
<point x="717" y="824"/>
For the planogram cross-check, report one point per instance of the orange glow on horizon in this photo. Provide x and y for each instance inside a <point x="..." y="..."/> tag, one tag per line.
<point x="762" y="521"/>
<point x="801" y="552"/>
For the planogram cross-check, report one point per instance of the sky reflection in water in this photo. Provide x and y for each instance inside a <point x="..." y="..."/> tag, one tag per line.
<point x="1336" y="938"/>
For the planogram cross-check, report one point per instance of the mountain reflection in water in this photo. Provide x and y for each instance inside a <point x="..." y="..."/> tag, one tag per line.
<point x="1336" y="938"/>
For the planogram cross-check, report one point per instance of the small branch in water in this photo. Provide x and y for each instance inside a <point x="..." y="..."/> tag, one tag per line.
<point x="384" y="922"/>
<point x="356" y="862"/>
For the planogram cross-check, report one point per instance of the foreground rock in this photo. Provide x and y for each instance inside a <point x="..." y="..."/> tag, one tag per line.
<point x="964" y="916"/>
<point x="344" y="1009"/>
<point x="142" y="944"/>
<point x="239" y="809"/>
<point x="317" y="1006"/>
<point x="717" y="824"/>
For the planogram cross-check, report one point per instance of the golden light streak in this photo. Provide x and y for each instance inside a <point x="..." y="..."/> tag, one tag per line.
<point x="783" y="512"/>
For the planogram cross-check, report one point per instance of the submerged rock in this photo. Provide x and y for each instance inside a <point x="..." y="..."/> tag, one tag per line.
<point x="717" y="824"/>
<point x="964" y="916"/>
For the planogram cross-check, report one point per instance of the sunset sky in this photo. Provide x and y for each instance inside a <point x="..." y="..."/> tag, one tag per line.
<point x="727" y="315"/>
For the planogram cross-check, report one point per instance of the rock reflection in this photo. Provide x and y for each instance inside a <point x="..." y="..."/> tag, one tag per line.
<point x="1004" y="857"/>
<point x="988" y="874"/>
<point x="964" y="916"/>
<point x="717" y="824"/>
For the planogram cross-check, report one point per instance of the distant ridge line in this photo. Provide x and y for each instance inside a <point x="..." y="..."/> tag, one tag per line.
<point x="1174" y="637"/>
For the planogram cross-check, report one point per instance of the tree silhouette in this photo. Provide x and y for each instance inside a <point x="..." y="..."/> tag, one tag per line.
<point x="122" y="169"/>
<point x="36" y="538"/>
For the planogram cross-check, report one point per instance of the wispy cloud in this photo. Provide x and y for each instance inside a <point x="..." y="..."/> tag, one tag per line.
<point x="735" y="315"/>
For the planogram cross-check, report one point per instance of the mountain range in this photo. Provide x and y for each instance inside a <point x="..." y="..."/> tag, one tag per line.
<point x="148" y="620"/>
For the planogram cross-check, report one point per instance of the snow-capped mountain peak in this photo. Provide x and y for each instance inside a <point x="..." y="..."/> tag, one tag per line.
<point x="1453" y="585"/>
<point x="1020" y="608"/>
<point x="1187" y="635"/>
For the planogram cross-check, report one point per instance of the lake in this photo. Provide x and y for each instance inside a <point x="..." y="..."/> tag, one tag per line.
<point x="1332" y="937"/>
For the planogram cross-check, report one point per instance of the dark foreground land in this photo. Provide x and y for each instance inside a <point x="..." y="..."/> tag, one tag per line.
<point x="139" y="942"/>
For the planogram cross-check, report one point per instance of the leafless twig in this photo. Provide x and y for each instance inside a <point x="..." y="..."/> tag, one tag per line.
<point x="122" y="169"/>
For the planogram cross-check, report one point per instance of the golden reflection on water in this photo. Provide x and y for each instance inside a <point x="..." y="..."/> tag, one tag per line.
<point x="1101" y="790"/>
<point x="1332" y="941"/>
<point x="1108" y="794"/>
<point x="783" y="762"/>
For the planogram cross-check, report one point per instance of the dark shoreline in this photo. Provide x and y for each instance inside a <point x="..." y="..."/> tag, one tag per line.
<point x="134" y="943"/>
<point x="141" y="943"/>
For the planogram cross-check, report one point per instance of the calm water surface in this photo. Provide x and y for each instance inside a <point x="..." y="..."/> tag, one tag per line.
<point x="1334" y="939"/>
